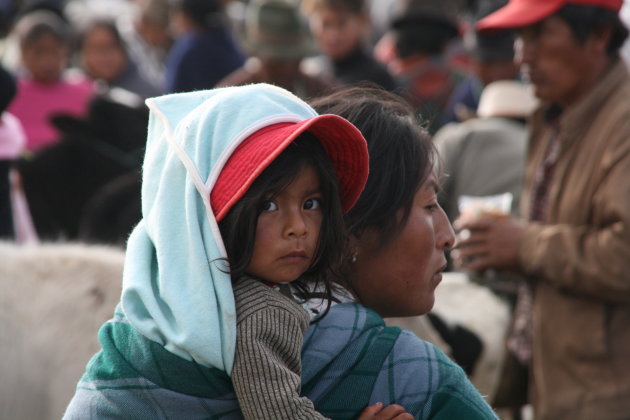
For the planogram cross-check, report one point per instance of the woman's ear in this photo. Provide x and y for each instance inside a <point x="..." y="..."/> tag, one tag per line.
<point x="353" y="247"/>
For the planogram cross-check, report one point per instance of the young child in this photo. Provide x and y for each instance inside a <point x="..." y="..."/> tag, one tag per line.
<point x="105" y="58"/>
<point x="44" y="89"/>
<point x="341" y="28"/>
<point x="243" y="191"/>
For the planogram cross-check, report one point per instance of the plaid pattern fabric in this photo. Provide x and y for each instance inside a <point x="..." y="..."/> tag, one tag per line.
<point x="350" y="359"/>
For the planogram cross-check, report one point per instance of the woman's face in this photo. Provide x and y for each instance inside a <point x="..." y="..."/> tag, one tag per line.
<point x="400" y="278"/>
<point x="103" y="57"/>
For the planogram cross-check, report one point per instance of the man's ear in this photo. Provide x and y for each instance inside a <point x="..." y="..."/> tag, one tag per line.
<point x="599" y="39"/>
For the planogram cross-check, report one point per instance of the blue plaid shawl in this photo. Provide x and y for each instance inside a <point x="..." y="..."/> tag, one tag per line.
<point x="350" y="359"/>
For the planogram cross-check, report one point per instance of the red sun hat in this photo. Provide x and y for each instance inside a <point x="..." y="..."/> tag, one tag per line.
<point x="343" y="142"/>
<point x="519" y="13"/>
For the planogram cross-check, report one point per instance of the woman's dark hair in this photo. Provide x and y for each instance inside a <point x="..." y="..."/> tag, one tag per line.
<point x="238" y="228"/>
<point x="428" y="36"/>
<point x="585" y="20"/>
<point x="204" y="13"/>
<point x="106" y="24"/>
<point x="402" y="156"/>
<point x="425" y="27"/>
<point x="356" y="7"/>
<point x="39" y="23"/>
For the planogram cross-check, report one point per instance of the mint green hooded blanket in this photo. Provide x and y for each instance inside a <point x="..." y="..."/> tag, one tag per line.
<point x="173" y="293"/>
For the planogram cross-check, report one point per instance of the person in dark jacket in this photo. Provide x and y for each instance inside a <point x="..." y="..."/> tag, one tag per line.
<point x="204" y="51"/>
<point x="341" y="29"/>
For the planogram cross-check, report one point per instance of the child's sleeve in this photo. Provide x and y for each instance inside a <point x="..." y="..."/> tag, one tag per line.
<point x="266" y="372"/>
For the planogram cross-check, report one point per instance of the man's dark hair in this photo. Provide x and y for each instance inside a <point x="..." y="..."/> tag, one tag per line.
<point x="204" y="13"/>
<point x="585" y="20"/>
<point x="425" y="27"/>
<point x="238" y="228"/>
<point x="356" y="7"/>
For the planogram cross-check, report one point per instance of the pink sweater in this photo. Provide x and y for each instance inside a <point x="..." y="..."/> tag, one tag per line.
<point x="12" y="137"/>
<point x="35" y="103"/>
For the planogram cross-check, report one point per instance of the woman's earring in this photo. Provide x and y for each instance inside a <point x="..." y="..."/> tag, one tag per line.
<point x="353" y="258"/>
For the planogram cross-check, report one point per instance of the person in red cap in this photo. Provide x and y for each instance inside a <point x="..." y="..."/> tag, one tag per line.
<point x="573" y="243"/>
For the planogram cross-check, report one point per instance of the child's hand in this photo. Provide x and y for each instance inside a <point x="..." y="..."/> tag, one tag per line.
<point x="391" y="412"/>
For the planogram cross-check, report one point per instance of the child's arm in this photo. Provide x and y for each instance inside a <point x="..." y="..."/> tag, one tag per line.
<point x="267" y="364"/>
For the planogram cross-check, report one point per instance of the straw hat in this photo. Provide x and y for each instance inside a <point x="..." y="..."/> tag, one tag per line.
<point x="506" y="98"/>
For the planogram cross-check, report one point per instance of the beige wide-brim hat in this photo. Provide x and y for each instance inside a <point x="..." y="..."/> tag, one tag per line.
<point x="276" y="29"/>
<point x="508" y="99"/>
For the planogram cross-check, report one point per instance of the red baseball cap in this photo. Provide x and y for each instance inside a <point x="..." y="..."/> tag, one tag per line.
<point x="519" y="13"/>
<point x="343" y="142"/>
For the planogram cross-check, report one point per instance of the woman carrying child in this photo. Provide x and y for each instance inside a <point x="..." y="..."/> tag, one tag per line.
<point x="243" y="192"/>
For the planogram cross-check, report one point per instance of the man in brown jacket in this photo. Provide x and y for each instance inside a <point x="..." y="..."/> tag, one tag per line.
<point x="574" y="240"/>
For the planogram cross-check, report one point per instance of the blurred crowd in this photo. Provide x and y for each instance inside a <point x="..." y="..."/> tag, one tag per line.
<point x="76" y="73"/>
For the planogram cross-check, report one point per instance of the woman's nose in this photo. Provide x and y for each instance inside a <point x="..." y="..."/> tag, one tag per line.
<point x="445" y="235"/>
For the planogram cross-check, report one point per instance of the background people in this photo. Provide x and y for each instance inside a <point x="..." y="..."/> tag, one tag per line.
<point x="104" y="58"/>
<point x="342" y="31"/>
<point x="277" y="39"/>
<point x="148" y="38"/>
<point x="485" y="156"/>
<point x="204" y="50"/>
<point x="12" y="142"/>
<point x="425" y="34"/>
<point x="573" y="241"/>
<point x="43" y="88"/>
<point x="491" y="57"/>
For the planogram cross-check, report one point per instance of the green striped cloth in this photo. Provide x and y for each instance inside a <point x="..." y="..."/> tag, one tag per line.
<point x="350" y="359"/>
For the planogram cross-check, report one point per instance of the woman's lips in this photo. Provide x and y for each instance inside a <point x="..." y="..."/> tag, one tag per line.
<point x="295" y="256"/>
<point x="438" y="274"/>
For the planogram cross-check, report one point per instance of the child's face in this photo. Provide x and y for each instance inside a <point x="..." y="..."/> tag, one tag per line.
<point x="338" y="32"/>
<point x="287" y="232"/>
<point x="103" y="57"/>
<point x="45" y="58"/>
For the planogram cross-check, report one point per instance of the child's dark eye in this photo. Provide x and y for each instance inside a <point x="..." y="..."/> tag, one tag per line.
<point x="269" y="206"/>
<point x="312" y="204"/>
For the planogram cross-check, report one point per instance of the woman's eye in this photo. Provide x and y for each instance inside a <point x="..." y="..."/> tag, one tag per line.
<point x="433" y="207"/>
<point x="312" y="204"/>
<point x="269" y="206"/>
